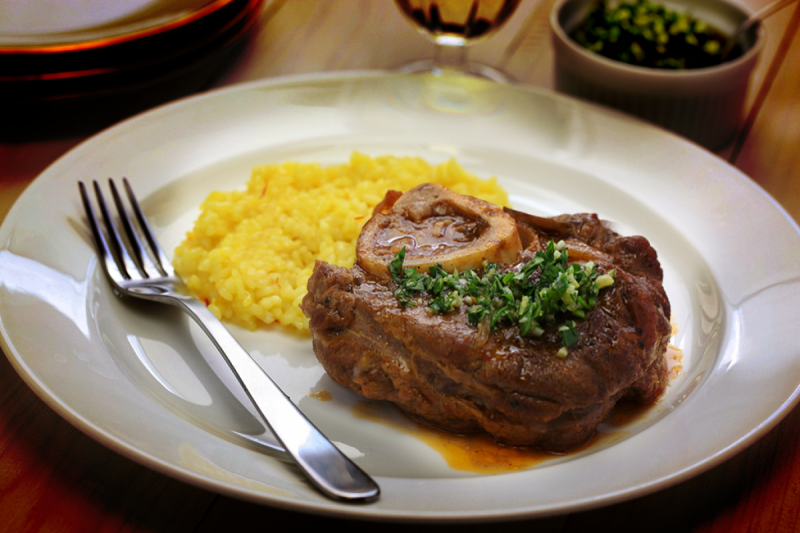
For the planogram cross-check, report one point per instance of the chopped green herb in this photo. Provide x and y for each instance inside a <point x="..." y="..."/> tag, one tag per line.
<point x="568" y="333"/>
<point x="545" y="288"/>
<point x="646" y="34"/>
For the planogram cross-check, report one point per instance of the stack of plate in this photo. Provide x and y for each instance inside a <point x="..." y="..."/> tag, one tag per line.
<point x="75" y="66"/>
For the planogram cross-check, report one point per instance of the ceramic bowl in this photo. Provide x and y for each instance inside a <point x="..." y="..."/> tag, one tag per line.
<point x="705" y="105"/>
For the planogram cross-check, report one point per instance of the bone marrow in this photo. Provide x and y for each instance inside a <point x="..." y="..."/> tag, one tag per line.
<point x="436" y="226"/>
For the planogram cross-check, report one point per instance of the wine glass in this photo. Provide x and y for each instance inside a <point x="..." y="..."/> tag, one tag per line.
<point x="453" y="25"/>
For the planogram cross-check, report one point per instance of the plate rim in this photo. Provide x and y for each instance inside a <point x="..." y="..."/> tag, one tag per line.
<point x="208" y="8"/>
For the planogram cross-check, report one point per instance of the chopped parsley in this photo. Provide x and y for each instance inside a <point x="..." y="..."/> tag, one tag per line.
<point x="646" y="34"/>
<point x="546" y="290"/>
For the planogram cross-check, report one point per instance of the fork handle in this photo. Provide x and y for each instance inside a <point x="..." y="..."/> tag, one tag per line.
<point x="327" y="467"/>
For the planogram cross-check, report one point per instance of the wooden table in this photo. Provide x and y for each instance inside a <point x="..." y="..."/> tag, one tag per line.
<point x="54" y="478"/>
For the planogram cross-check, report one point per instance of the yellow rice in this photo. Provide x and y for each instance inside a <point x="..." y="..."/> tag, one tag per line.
<point x="251" y="252"/>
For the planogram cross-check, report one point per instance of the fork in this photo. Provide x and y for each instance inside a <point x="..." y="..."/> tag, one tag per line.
<point x="150" y="276"/>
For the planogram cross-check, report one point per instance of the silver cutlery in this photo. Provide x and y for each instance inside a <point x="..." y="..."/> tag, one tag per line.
<point x="754" y="20"/>
<point x="134" y="272"/>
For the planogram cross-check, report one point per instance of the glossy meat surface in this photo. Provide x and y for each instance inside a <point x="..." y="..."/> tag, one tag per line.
<point x="445" y="371"/>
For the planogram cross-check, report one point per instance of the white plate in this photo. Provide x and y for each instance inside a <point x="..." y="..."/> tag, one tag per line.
<point x="144" y="382"/>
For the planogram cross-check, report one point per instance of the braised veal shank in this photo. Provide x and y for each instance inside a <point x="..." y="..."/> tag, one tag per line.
<point x="446" y="371"/>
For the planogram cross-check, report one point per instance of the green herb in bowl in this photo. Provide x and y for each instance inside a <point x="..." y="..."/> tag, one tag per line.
<point x="646" y="34"/>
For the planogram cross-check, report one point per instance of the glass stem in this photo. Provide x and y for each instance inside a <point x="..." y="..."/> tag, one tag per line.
<point x="450" y="58"/>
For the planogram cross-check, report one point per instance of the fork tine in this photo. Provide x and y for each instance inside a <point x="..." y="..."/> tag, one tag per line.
<point x="129" y="268"/>
<point x="141" y="257"/>
<point x="110" y="264"/>
<point x="163" y="261"/>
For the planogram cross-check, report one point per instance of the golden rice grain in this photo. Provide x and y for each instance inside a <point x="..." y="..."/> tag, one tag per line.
<point x="251" y="252"/>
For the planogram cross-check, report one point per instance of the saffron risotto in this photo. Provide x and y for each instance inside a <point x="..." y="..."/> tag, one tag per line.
<point x="251" y="252"/>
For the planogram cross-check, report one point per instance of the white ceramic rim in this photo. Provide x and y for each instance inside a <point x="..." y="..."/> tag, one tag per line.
<point x="652" y="73"/>
<point x="78" y="40"/>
